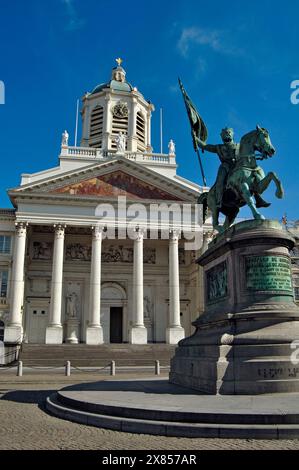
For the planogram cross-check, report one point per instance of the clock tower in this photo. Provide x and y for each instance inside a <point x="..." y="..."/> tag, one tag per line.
<point x="116" y="107"/>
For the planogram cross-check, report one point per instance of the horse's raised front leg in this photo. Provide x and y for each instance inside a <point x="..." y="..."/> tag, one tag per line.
<point x="264" y="183"/>
<point x="250" y="201"/>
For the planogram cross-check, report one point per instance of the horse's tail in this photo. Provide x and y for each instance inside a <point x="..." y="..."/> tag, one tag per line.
<point x="203" y="199"/>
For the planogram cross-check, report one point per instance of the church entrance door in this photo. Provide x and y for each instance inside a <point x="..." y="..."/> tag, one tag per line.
<point x="116" y="324"/>
<point x="37" y="325"/>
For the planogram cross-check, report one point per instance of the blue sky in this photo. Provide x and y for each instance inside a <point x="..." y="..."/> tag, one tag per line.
<point x="236" y="59"/>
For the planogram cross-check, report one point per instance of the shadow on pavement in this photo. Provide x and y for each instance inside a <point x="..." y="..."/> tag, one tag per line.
<point x="160" y="386"/>
<point x="27" y="396"/>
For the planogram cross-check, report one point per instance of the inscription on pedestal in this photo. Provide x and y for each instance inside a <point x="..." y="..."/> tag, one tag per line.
<point x="264" y="273"/>
<point x="217" y="282"/>
<point x="279" y="372"/>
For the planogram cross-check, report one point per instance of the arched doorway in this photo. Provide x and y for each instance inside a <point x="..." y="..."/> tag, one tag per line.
<point x="113" y="312"/>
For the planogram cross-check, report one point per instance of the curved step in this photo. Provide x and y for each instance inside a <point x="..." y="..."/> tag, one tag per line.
<point x="174" y="429"/>
<point x="153" y="406"/>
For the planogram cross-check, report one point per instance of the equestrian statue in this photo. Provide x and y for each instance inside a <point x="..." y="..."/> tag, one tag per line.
<point x="240" y="181"/>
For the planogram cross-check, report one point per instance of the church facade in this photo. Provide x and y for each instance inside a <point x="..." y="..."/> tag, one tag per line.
<point x="99" y="249"/>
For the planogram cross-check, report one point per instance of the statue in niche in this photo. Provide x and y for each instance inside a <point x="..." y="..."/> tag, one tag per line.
<point x="148" y="307"/>
<point x="120" y="141"/>
<point x="72" y="305"/>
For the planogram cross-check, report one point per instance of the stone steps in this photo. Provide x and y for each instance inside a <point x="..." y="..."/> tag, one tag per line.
<point x="95" y="356"/>
<point x="153" y="406"/>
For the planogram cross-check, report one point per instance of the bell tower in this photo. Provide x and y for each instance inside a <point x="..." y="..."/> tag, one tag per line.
<point x="116" y="107"/>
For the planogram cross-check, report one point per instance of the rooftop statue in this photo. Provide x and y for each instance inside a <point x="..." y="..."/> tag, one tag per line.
<point x="171" y="147"/>
<point x="240" y="181"/>
<point x="65" y="139"/>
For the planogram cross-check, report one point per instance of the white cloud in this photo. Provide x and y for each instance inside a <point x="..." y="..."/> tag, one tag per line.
<point x="214" y="39"/>
<point x="74" y="21"/>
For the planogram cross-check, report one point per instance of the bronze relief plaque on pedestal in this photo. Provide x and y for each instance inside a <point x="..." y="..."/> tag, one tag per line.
<point x="268" y="273"/>
<point x="217" y="282"/>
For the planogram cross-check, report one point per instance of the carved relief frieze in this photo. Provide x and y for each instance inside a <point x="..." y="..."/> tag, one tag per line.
<point x="42" y="250"/>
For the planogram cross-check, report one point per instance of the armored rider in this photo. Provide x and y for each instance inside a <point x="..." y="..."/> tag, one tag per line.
<point x="228" y="155"/>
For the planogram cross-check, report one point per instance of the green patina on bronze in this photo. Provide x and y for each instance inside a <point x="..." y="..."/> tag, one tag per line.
<point x="217" y="282"/>
<point x="240" y="180"/>
<point x="268" y="273"/>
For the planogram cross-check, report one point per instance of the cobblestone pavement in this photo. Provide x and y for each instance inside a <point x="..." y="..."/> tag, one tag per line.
<point x="26" y="425"/>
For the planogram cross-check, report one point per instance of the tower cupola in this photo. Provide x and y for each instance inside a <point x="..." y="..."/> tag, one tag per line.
<point x="115" y="108"/>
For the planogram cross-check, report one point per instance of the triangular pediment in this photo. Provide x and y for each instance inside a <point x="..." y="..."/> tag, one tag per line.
<point x="107" y="180"/>
<point x="114" y="184"/>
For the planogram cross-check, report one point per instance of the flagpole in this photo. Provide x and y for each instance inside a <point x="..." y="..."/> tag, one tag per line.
<point x="201" y="168"/>
<point x="76" y="129"/>
<point x="161" y="131"/>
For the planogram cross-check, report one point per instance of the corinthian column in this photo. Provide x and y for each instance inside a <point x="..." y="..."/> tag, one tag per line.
<point x="174" y="331"/>
<point x="94" y="331"/>
<point x="138" y="332"/>
<point x="54" y="334"/>
<point x="13" y="333"/>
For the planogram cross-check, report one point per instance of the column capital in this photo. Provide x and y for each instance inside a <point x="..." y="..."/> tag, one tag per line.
<point x="21" y="228"/>
<point x="59" y="230"/>
<point x="139" y="233"/>
<point x="174" y="235"/>
<point x="97" y="231"/>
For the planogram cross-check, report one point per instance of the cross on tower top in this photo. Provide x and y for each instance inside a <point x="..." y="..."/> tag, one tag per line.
<point x="119" y="61"/>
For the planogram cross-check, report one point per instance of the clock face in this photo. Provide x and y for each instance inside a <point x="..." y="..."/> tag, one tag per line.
<point x="120" y="110"/>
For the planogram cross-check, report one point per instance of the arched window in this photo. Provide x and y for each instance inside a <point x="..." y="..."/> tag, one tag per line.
<point x="140" y="131"/>
<point x="1" y="331"/>
<point x="96" y="127"/>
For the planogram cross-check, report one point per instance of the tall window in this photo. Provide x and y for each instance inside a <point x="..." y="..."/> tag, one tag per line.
<point x="96" y="127"/>
<point x="5" y="244"/>
<point x="3" y="283"/>
<point x="140" y="130"/>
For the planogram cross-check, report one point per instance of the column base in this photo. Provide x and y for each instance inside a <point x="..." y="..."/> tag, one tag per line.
<point x="54" y="335"/>
<point x="13" y="334"/>
<point x="174" y="334"/>
<point x="94" y="335"/>
<point x="72" y="329"/>
<point x="138" y="335"/>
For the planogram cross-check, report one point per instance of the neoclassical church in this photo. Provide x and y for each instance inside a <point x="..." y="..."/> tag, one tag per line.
<point x="77" y="265"/>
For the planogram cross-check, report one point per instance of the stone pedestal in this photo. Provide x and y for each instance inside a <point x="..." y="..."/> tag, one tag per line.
<point x="13" y="334"/>
<point x="243" y="340"/>
<point x="72" y="331"/>
<point x="138" y="335"/>
<point x="54" y="335"/>
<point x="174" y="334"/>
